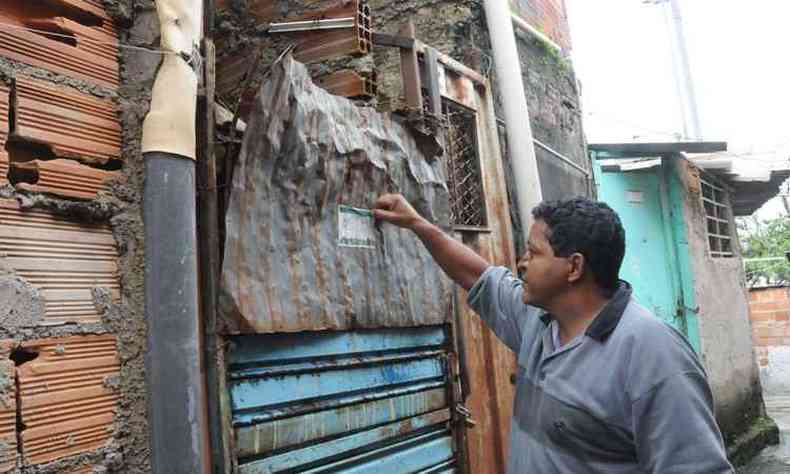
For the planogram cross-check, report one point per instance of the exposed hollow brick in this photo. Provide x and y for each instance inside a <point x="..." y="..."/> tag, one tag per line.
<point x="65" y="178"/>
<point x="67" y="407"/>
<point x="8" y="408"/>
<point x="62" y="259"/>
<point x="90" y="52"/>
<point x="311" y="46"/>
<point x="349" y="83"/>
<point x="72" y="124"/>
<point x="4" y="100"/>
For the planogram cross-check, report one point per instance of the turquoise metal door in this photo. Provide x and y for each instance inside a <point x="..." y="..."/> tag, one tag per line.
<point x="373" y="401"/>
<point x="642" y="201"/>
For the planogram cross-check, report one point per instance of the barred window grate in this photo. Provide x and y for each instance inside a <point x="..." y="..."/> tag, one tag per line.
<point x="464" y="177"/>
<point x="717" y="219"/>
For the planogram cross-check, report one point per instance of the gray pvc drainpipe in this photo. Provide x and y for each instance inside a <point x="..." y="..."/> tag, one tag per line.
<point x="175" y="387"/>
<point x="176" y="391"/>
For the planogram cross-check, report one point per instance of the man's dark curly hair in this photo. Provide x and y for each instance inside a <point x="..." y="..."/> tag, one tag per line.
<point x="590" y="228"/>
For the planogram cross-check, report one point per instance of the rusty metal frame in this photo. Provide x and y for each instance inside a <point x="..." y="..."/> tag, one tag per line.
<point x="410" y="70"/>
<point x="464" y="167"/>
<point x="490" y="364"/>
<point x="431" y="65"/>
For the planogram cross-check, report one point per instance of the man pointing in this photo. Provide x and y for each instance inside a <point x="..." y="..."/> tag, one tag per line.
<point x="603" y="386"/>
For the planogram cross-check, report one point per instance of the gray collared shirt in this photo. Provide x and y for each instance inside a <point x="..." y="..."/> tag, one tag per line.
<point x="628" y="396"/>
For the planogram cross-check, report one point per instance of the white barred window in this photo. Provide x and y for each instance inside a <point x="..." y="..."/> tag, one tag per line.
<point x="717" y="218"/>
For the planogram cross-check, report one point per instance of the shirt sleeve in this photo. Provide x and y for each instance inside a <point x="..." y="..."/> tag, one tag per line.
<point x="498" y="298"/>
<point x="675" y="429"/>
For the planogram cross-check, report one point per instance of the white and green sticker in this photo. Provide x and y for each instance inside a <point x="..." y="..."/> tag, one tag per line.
<point x="356" y="228"/>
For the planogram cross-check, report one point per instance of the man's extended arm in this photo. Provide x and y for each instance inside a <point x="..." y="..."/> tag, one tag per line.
<point x="460" y="262"/>
<point x="496" y="295"/>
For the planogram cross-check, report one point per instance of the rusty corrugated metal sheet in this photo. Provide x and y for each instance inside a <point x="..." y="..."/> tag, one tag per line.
<point x="8" y="440"/>
<point x="80" y="58"/>
<point x="61" y="177"/>
<point x="305" y="152"/>
<point x="4" y="96"/>
<point x="73" y="124"/>
<point x="64" y="260"/>
<point x="65" y="395"/>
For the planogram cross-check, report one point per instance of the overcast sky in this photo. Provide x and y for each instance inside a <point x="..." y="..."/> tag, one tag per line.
<point x="739" y="61"/>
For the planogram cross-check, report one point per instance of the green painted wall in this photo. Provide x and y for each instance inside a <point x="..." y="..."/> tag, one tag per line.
<point x="657" y="260"/>
<point x="681" y="233"/>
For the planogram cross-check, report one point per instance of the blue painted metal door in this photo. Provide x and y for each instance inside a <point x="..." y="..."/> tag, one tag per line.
<point x="641" y="200"/>
<point x="355" y="402"/>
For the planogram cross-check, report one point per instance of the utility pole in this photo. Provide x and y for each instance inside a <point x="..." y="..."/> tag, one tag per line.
<point x="687" y="97"/>
<point x="683" y="78"/>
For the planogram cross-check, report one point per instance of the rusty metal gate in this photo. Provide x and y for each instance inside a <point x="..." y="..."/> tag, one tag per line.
<point x="340" y="357"/>
<point x="354" y="401"/>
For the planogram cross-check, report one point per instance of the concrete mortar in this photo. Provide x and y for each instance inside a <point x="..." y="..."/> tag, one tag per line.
<point x="120" y="207"/>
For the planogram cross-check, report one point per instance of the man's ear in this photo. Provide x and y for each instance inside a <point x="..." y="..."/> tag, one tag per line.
<point x="577" y="262"/>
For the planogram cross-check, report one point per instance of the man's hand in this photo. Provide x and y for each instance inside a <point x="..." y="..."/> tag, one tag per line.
<point x="395" y="209"/>
<point x="458" y="261"/>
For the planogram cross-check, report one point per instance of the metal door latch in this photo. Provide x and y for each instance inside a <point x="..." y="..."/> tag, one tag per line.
<point x="466" y="414"/>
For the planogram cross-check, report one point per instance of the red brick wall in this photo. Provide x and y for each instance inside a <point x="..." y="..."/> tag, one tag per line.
<point x="769" y="310"/>
<point x="548" y="16"/>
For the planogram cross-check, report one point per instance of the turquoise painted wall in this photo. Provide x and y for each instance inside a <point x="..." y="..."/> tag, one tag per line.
<point x="657" y="262"/>
<point x="678" y="198"/>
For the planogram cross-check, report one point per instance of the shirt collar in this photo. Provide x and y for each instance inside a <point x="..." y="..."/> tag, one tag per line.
<point x="610" y="315"/>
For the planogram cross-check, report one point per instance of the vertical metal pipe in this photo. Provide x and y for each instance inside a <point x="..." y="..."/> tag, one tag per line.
<point x="176" y="391"/>
<point x="514" y="104"/>
<point x="176" y="416"/>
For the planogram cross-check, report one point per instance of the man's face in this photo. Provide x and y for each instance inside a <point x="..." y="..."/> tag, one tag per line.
<point x="545" y="276"/>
